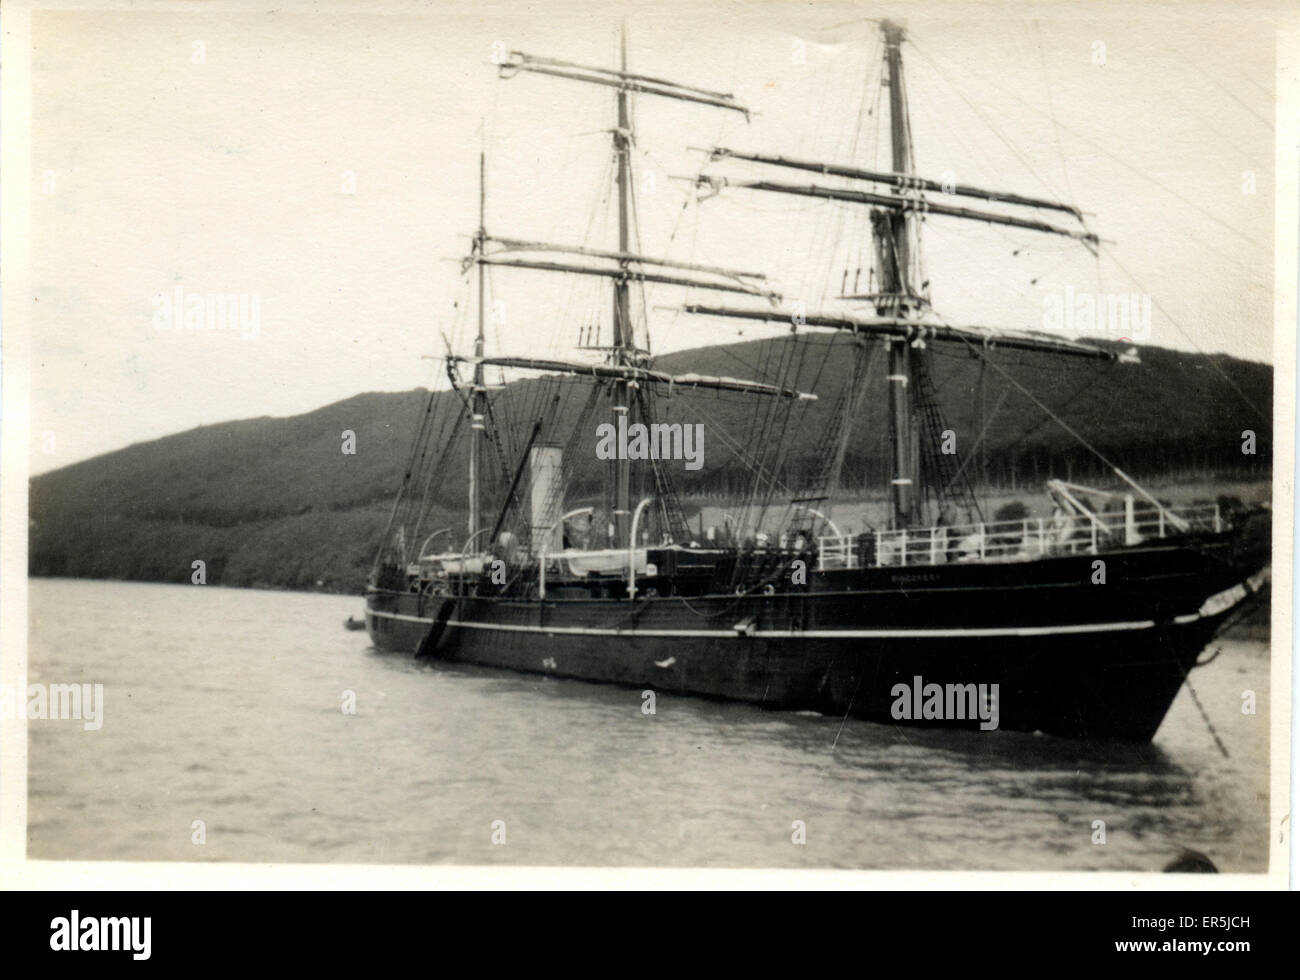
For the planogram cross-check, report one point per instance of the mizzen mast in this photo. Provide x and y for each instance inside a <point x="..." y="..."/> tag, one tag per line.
<point x="624" y="348"/>
<point x="478" y="393"/>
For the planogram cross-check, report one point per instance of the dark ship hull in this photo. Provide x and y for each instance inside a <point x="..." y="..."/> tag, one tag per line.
<point x="1070" y="657"/>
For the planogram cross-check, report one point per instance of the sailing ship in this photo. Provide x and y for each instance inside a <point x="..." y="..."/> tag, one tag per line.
<point x="1086" y="623"/>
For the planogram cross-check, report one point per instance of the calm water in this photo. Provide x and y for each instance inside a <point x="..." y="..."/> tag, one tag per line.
<point x="225" y="706"/>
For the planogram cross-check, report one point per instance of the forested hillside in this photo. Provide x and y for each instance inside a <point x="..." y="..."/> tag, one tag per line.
<point x="274" y="502"/>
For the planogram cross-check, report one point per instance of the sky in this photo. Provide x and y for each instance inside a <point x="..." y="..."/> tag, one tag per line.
<point x="320" y="164"/>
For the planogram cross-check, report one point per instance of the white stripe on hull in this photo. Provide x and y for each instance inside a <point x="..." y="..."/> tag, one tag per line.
<point x="403" y="618"/>
<point x="783" y="634"/>
<point x="811" y="634"/>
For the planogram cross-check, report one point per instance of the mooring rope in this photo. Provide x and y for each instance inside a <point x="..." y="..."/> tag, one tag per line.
<point x="1208" y="724"/>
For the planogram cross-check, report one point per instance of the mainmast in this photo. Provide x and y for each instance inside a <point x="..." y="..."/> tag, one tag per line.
<point x="627" y="366"/>
<point x="478" y="391"/>
<point x="894" y="234"/>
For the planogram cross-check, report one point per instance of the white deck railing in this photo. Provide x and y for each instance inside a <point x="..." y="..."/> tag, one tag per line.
<point x="1012" y="540"/>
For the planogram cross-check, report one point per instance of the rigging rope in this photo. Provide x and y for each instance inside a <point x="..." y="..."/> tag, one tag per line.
<point x="1099" y="147"/>
<point x="1267" y="419"/>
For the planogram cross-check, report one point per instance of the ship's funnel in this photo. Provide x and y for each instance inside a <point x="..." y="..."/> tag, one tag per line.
<point x="546" y="498"/>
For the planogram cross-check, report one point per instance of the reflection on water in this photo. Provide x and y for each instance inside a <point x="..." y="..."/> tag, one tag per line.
<point x="225" y="706"/>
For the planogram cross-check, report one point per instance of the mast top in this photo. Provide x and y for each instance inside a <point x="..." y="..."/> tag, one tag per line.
<point x="895" y="31"/>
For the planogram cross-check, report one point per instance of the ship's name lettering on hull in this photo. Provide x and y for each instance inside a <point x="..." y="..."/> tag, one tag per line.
<point x="915" y="578"/>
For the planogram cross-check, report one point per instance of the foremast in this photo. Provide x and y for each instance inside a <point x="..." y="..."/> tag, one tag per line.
<point x="904" y="320"/>
<point x="895" y="233"/>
